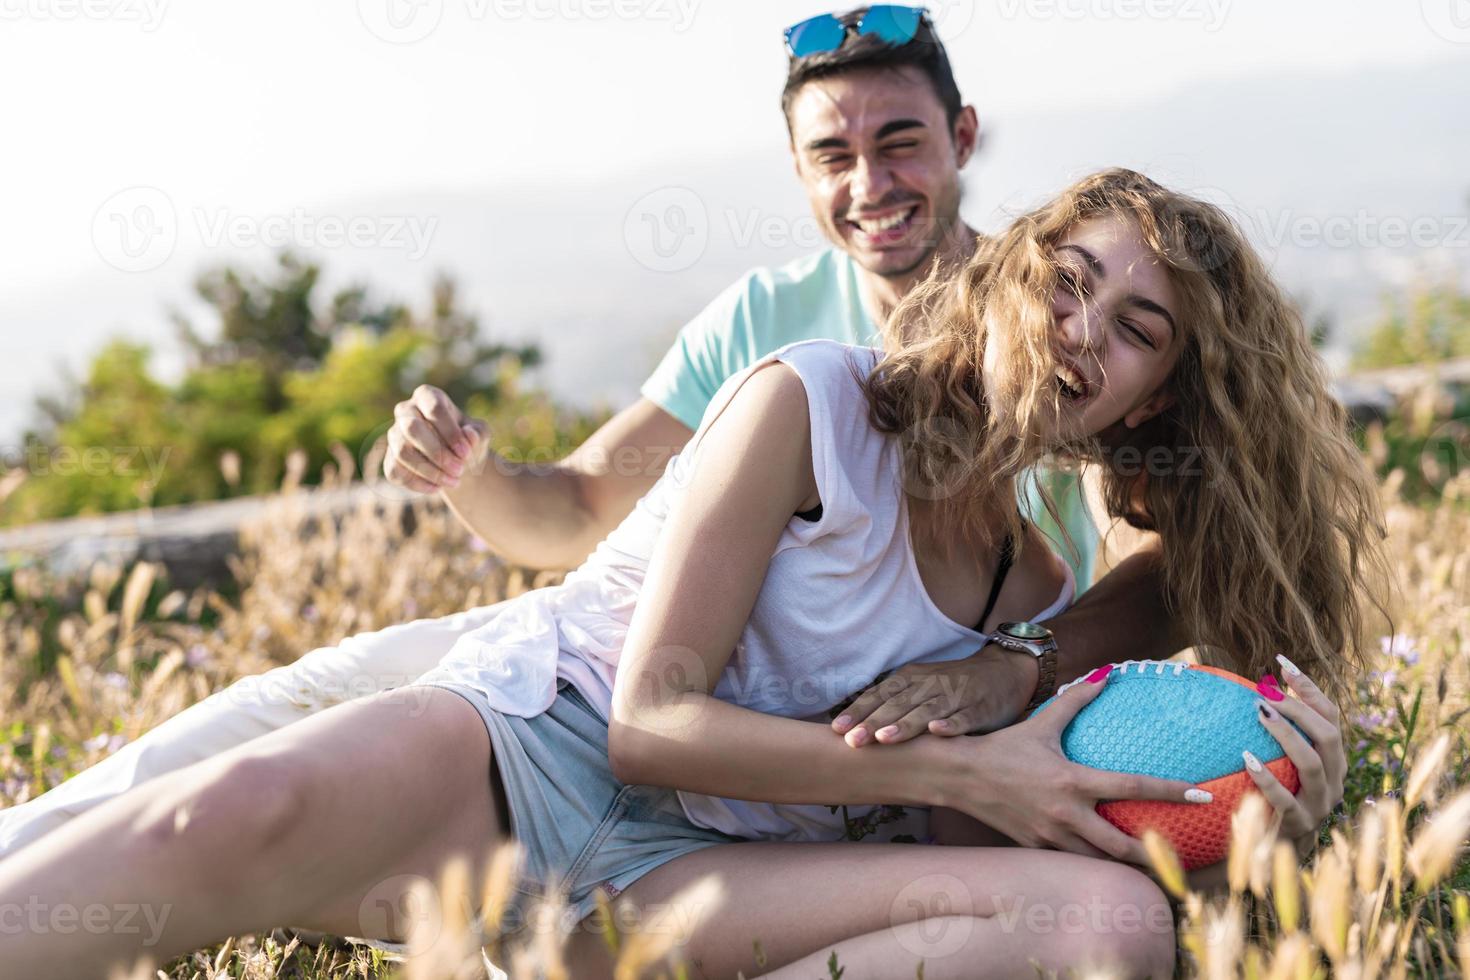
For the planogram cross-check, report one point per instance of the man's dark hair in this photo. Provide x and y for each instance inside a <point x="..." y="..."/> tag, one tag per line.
<point x="925" y="52"/>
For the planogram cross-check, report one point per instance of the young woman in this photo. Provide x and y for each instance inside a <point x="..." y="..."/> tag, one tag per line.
<point x="839" y="512"/>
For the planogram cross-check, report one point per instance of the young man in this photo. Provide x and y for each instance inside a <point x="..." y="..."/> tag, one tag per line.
<point x="879" y="136"/>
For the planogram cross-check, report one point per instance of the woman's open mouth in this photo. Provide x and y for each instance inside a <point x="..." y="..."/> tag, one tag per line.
<point x="1073" y="386"/>
<point x="885" y="230"/>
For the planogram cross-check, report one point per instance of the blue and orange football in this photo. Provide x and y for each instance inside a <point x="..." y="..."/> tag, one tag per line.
<point x="1177" y="720"/>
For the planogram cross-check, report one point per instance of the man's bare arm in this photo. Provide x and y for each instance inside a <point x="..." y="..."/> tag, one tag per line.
<point x="538" y="515"/>
<point x="1122" y="617"/>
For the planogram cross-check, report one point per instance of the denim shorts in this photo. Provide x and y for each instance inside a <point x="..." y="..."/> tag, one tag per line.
<point x="580" y="829"/>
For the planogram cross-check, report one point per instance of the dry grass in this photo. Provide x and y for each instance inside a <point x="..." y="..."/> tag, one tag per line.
<point x="87" y="665"/>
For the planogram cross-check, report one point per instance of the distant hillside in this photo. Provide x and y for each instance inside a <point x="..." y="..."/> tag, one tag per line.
<point x="1296" y="159"/>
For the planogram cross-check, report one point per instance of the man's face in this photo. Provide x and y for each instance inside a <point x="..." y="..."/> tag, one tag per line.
<point x="879" y="164"/>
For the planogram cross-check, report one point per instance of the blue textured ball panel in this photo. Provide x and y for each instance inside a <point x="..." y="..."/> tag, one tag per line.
<point x="1168" y="719"/>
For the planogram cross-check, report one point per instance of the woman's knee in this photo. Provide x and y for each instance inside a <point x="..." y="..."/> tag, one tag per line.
<point x="1121" y="915"/>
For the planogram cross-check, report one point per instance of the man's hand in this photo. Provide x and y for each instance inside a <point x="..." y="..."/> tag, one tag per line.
<point x="983" y="692"/>
<point x="432" y="442"/>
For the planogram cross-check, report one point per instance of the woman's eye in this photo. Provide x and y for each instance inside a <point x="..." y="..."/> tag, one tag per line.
<point x="1070" y="280"/>
<point x="1138" y="332"/>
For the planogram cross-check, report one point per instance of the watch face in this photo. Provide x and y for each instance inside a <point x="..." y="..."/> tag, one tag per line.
<point x="1025" y="631"/>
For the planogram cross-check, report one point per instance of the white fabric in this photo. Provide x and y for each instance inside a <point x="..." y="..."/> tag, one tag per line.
<point x="841" y="602"/>
<point x="367" y="663"/>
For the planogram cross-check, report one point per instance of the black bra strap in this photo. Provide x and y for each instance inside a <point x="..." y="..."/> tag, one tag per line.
<point x="1007" y="556"/>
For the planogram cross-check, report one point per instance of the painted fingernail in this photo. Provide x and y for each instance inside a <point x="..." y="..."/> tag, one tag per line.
<point x="1100" y="675"/>
<point x="1267" y="712"/>
<point x="1269" y="689"/>
<point x="843" y="721"/>
<point x="1287" y="666"/>
<point x="1251" y="762"/>
<point x="1197" y="795"/>
<point x="888" y="731"/>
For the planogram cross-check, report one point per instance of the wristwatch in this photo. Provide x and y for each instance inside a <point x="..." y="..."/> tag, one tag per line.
<point x="1037" y="641"/>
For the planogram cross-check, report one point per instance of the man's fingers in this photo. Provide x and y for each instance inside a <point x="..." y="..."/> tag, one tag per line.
<point x="915" y="721"/>
<point x="869" y="701"/>
<point x="420" y="435"/>
<point x="477" y="435"/>
<point x="441" y="413"/>
<point x="405" y="462"/>
<point x="401" y="475"/>
<point x="887" y="713"/>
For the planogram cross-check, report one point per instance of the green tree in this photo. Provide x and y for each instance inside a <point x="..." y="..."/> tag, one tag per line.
<point x="278" y="372"/>
<point x="1429" y="323"/>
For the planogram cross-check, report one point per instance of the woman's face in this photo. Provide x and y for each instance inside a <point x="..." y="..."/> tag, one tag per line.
<point x="1115" y="327"/>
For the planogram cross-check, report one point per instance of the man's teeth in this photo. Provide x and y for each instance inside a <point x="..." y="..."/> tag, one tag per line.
<point x="876" y="226"/>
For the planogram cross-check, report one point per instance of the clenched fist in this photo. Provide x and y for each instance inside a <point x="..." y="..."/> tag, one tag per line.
<point x="432" y="442"/>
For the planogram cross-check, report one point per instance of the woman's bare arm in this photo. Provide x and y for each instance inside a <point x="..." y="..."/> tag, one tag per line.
<point x="752" y="472"/>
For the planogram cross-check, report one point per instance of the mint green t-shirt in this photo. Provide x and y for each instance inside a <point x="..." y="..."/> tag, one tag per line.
<point x="817" y="297"/>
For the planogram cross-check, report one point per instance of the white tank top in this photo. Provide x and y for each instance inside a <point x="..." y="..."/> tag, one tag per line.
<point x="842" y="599"/>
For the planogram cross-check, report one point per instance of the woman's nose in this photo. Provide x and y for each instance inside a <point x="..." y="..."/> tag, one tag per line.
<point x="1075" y="329"/>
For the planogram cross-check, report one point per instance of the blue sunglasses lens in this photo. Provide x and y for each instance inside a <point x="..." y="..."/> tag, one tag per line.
<point x="820" y="33"/>
<point x="891" y="23"/>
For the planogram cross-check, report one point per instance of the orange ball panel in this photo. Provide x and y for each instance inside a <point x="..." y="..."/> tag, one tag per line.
<point x="1199" y="832"/>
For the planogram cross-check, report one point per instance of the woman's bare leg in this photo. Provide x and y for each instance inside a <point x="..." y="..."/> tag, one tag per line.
<point x="299" y="827"/>
<point x="882" y="908"/>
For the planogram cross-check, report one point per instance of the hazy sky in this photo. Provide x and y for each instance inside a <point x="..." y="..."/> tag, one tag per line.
<point x="220" y="111"/>
<point x="271" y="104"/>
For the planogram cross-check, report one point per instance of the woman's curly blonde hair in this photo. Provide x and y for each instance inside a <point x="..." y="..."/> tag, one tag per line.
<point x="1268" y="517"/>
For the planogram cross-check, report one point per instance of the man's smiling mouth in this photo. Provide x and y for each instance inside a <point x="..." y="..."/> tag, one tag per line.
<point x="888" y="228"/>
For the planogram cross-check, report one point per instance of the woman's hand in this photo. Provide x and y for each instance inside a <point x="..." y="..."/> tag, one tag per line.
<point x="1322" y="764"/>
<point x="1019" y="783"/>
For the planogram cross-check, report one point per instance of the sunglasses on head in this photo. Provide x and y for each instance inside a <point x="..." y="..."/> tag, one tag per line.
<point x="891" y="23"/>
